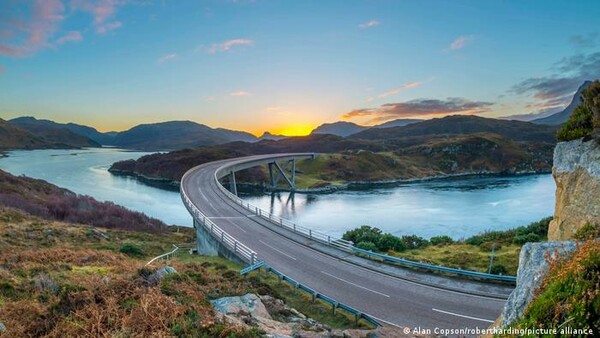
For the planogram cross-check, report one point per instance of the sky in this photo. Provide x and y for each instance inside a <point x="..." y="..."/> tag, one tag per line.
<point x="288" y="66"/>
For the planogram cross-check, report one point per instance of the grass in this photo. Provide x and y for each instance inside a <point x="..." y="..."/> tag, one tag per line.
<point x="570" y="294"/>
<point x="59" y="279"/>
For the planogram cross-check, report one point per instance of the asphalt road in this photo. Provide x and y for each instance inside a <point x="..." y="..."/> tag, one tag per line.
<point x="392" y="300"/>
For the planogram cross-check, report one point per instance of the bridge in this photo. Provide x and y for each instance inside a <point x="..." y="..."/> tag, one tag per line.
<point x="228" y="226"/>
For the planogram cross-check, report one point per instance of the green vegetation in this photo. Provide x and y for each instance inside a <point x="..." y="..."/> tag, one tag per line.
<point x="569" y="295"/>
<point x="587" y="232"/>
<point x="132" y="250"/>
<point x="472" y="253"/>
<point x="585" y="117"/>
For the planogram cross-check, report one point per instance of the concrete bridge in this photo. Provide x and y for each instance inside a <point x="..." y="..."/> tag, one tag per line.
<point x="230" y="227"/>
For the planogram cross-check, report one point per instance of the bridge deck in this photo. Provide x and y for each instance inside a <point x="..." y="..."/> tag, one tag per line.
<point x="391" y="299"/>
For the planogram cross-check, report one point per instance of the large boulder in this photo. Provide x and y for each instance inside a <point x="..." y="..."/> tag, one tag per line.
<point x="577" y="174"/>
<point x="534" y="262"/>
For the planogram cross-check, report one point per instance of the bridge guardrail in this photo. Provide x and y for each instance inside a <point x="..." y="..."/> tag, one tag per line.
<point x="315" y="295"/>
<point x="348" y="245"/>
<point x="239" y="249"/>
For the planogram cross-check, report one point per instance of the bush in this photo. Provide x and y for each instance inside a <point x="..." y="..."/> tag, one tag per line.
<point x="583" y="120"/>
<point x="363" y="234"/>
<point x="390" y="242"/>
<point x="588" y="231"/>
<point x="526" y="238"/>
<point x="498" y="269"/>
<point x="370" y="246"/>
<point x="132" y="250"/>
<point x="441" y="240"/>
<point x="414" y="241"/>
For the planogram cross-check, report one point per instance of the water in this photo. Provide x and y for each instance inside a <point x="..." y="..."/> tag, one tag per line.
<point x="458" y="208"/>
<point x="85" y="171"/>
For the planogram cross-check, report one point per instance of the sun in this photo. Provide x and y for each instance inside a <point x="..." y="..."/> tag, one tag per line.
<point x="295" y="130"/>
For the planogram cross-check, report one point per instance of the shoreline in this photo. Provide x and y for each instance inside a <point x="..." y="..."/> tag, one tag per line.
<point x="245" y="187"/>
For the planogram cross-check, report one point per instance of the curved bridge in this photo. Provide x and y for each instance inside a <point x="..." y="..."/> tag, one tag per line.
<point x="393" y="295"/>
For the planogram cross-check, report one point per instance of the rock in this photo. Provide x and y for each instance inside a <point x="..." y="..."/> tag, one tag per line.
<point x="577" y="174"/>
<point x="2" y="327"/>
<point x="157" y="276"/>
<point x="533" y="266"/>
<point x="44" y="283"/>
<point x="249" y="303"/>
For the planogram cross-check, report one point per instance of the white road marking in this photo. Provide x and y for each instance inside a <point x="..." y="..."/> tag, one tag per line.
<point x="358" y="286"/>
<point x="281" y="252"/>
<point x="463" y="316"/>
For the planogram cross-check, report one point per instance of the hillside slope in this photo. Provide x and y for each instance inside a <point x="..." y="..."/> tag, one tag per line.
<point x="12" y="137"/>
<point x="562" y="116"/>
<point x="52" y="132"/>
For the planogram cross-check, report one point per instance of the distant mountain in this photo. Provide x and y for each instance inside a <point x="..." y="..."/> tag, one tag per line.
<point x="12" y="137"/>
<point x="463" y="124"/>
<point x="397" y="123"/>
<point x="53" y="133"/>
<point x="268" y="136"/>
<point x="177" y="135"/>
<point x="89" y="132"/>
<point x="562" y="116"/>
<point x="340" y="128"/>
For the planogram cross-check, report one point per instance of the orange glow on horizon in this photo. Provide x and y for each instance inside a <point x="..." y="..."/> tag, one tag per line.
<point x="295" y="130"/>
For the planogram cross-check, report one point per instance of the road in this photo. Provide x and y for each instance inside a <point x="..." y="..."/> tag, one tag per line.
<point x="390" y="299"/>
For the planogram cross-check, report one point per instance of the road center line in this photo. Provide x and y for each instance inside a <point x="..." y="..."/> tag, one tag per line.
<point x="358" y="286"/>
<point x="463" y="316"/>
<point x="281" y="252"/>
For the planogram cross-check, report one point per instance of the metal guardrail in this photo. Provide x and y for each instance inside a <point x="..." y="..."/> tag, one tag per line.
<point x="164" y="256"/>
<point x="315" y="295"/>
<point x="237" y="248"/>
<point x="348" y="246"/>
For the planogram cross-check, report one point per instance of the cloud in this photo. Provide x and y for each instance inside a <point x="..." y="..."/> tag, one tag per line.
<point x="396" y="90"/>
<point x="584" y="41"/>
<point x="460" y="42"/>
<point x="29" y="29"/>
<point x="369" y="24"/>
<point x="72" y="36"/>
<point x="555" y="91"/>
<point x="240" y="93"/>
<point x="103" y="12"/>
<point x="167" y="58"/>
<point x="421" y="107"/>
<point x="227" y="45"/>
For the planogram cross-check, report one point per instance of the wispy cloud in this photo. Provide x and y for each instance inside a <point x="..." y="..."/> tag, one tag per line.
<point x="396" y="90"/>
<point x="167" y="58"/>
<point x="460" y="42"/>
<point x="553" y="92"/>
<point x="584" y="40"/>
<point x="22" y="36"/>
<point x="103" y="12"/>
<point x="240" y="93"/>
<point x="72" y="36"/>
<point x="369" y="24"/>
<point x="421" y="107"/>
<point x="227" y="45"/>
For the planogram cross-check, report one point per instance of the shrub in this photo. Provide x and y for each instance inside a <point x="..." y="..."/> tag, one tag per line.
<point x="363" y="234"/>
<point x="585" y="116"/>
<point x="525" y="238"/>
<point x="390" y="242"/>
<point x="588" y="231"/>
<point x="498" y="269"/>
<point x="132" y="250"/>
<point x="414" y="241"/>
<point x="441" y="240"/>
<point x="370" y="246"/>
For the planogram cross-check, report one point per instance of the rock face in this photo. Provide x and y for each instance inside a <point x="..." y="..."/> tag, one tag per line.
<point x="577" y="174"/>
<point x="534" y="262"/>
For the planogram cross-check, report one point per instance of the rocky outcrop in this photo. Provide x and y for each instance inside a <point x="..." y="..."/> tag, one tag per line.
<point x="534" y="262"/>
<point x="577" y="174"/>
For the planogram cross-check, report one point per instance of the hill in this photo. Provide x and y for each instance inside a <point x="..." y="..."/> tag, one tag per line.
<point x="53" y="133"/>
<point x="397" y="123"/>
<point x="177" y="135"/>
<point x="12" y="137"/>
<point x="462" y="124"/>
<point x="106" y="139"/>
<point x="340" y="128"/>
<point x="273" y="137"/>
<point x="562" y="116"/>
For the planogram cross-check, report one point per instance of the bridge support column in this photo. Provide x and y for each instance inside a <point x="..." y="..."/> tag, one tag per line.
<point x="209" y="245"/>
<point x="275" y="171"/>
<point x="232" y="185"/>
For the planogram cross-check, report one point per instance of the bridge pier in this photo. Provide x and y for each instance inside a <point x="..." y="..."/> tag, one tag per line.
<point x="208" y="245"/>
<point x="276" y="171"/>
<point x="232" y="184"/>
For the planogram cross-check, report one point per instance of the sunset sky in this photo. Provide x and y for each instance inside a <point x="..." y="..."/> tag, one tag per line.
<point x="288" y="66"/>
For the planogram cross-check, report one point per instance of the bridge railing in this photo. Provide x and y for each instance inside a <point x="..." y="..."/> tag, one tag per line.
<point x="348" y="246"/>
<point x="233" y="245"/>
<point x="315" y="294"/>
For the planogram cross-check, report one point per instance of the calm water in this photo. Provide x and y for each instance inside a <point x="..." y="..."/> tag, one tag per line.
<point x="457" y="208"/>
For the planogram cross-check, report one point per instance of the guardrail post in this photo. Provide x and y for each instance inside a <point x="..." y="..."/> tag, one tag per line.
<point x="235" y="247"/>
<point x="310" y="233"/>
<point x="335" y="305"/>
<point x="328" y="240"/>
<point x="314" y="297"/>
<point x="222" y="235"/>
<point x="294" y="227"/>
<point x="357" y="317"/>
<point x="252" y="258"/>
